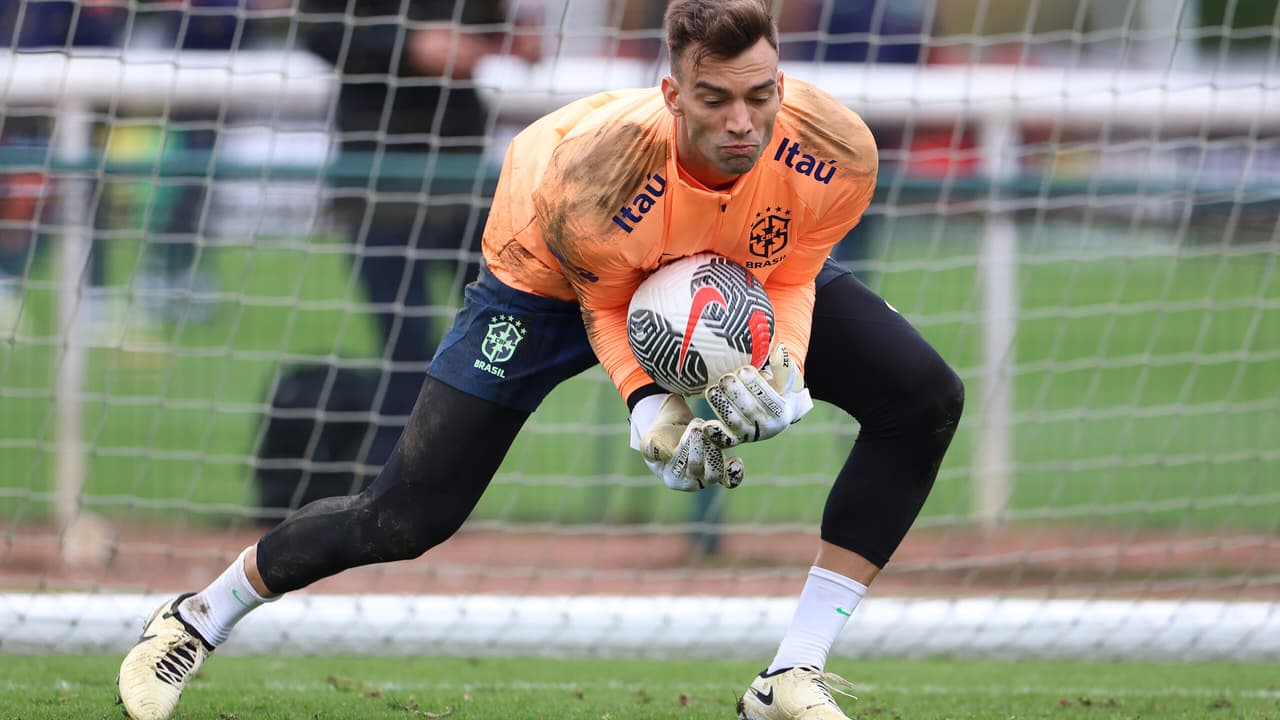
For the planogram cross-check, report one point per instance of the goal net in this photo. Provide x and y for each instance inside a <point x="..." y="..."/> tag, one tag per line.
<point x="230" y="235"/>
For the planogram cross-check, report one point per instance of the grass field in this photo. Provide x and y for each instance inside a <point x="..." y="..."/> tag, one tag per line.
<point x="240" y="688"/>
<point x="1146" y="391"/>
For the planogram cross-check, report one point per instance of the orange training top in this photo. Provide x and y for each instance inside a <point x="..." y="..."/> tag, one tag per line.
<point x="590" y="202"/>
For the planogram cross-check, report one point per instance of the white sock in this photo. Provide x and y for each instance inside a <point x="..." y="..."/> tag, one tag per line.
<point x="827" y="601"/>
<point x="216" y="609"/>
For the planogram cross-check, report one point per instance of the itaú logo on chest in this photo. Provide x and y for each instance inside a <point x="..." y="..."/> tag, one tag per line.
<point x="630" y="215"/>
<point x="789" y="154"/>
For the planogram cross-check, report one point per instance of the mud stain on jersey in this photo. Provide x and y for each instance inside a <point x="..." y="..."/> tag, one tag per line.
<point x="606" y="171"/>
<point x="594" y="177"/>
<point x="835" y="138"/>
<point x="511" y="254"/>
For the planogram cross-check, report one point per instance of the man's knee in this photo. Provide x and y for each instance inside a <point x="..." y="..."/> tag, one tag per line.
<point x="944" y="401"/>
<point x="931" y="403"/>
<point x="398" y="530"/>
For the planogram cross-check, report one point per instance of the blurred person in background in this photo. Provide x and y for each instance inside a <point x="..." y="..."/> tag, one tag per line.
<point x="406" y="104"/>
<point x="870" y="32"/>
<point x="25" y="192"/>
<point x="861" y="31"/>
<point x="639" y="28"/>
<point x="22" y="192"/>
<point x="177" y="282"/>
<point x="171" y="284"/>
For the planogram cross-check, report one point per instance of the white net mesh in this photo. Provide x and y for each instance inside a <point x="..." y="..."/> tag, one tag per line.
<point x="217" y="269"/>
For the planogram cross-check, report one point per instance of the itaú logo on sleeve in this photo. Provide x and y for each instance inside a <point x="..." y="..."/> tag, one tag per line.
<point x="630" y="215"/>
<point x="789" y="154"/>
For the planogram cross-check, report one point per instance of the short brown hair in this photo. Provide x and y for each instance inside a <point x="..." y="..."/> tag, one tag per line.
<point x="719" y="29"/>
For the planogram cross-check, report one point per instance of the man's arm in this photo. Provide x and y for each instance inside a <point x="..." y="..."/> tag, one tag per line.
<point x="432" y="45"/>
<point x="587" y="176"/>
<point x="604" y="274"/>
<point x="365" y="45"/>
<point x="751" y="404"/>
<point x="603" y="281"/>
<point x="663" y="429"/>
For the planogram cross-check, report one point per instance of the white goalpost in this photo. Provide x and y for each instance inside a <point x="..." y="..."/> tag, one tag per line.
<point x="1093" y="247"/>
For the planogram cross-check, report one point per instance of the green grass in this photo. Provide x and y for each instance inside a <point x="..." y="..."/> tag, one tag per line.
<point x="271" y="688"/>
<point x="1145" y="391"/>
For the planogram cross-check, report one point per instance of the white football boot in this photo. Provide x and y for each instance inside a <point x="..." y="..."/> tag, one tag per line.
<point x="157" y="668"/>
<point x="799" y="693"/>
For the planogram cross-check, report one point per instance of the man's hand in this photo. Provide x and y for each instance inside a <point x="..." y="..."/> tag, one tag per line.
<point x="757" y="404"/>
<point x="437" y="49"/>
<point x="674" y="447"/>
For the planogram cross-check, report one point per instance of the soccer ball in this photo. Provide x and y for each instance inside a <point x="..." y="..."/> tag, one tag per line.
<point x="697" y="318"/>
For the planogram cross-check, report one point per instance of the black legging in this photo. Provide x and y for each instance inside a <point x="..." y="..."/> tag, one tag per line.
<point x="863" y="357"/>
<point x="867" y="360"/>
<point x="448" y="453"/>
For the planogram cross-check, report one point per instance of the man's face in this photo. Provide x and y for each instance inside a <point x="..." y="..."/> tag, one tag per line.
<point x="726" y="111"/>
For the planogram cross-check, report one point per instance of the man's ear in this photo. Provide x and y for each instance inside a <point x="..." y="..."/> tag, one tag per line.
<point x="781" y="96"/>
<point x="670" y="91"/>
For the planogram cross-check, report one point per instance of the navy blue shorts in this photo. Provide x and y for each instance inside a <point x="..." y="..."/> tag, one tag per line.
<point x="512" y="348"/>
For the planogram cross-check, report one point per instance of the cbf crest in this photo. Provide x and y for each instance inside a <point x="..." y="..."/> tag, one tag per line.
<point x="504" y="334"/>
<point x="769" y="235"/>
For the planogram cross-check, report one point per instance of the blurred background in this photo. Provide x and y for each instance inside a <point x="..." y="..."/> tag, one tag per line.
<point x="231" y="232"/>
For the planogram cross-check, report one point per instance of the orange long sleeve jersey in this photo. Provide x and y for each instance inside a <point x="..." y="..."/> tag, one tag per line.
<point x="591" y="200"/>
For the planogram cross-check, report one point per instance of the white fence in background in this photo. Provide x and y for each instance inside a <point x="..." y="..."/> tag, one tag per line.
<point x="667" y="626"/>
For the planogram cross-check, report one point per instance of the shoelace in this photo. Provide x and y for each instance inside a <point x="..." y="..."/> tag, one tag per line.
<point x="177" y="663"/>
<point x="829" y="681"/>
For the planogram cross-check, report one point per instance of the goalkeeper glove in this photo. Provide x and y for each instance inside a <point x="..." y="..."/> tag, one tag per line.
<point x="757" y="404"/>
<point x="674" y="447"/>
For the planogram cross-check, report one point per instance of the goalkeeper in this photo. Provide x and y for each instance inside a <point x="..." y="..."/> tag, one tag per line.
<point x="726" y="156"/>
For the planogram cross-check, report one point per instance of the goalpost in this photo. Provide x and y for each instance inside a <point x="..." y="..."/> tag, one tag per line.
<point x="1093" y="247"/>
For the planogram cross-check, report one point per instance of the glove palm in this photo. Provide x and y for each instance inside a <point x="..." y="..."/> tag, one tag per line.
<point x="675" y="447"/>
<point x="756" y="404"/>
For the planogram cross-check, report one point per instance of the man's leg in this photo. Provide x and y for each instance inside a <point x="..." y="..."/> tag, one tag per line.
<point x="866" y="359"/>
<point x="449" y="451"/>
<point x="462" y="425"/>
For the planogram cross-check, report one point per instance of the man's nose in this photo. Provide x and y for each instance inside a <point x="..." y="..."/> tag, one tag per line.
<point x="738" y="121"/>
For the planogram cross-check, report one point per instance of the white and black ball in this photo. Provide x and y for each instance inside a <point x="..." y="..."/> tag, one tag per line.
<point x="696" y="318"/>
